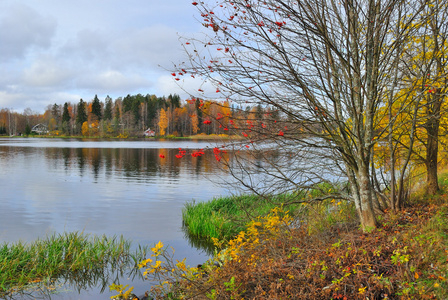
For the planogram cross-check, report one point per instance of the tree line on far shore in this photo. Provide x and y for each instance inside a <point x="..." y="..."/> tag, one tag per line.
<point x="131" y="116"/>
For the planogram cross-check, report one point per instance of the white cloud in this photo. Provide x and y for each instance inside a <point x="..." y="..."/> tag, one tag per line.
<point x="10" y="100"/>
<point x="112" y="81"/>
<point x="46" y="72"/>
<point x="187" y="87"/>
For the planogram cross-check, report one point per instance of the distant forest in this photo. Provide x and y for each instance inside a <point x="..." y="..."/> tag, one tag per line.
<point x="132" y="115"/>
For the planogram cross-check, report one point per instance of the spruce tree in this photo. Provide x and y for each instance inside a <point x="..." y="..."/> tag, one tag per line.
<point x="96" y="108"/>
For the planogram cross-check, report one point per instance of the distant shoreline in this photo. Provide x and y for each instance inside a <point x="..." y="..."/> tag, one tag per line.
<point x="169" y="137"/>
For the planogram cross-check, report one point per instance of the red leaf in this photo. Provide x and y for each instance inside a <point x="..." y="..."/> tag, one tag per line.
<point x="280" y="133"/>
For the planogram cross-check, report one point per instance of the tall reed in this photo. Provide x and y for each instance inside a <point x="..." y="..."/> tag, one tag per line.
<point x="77" y="258"/>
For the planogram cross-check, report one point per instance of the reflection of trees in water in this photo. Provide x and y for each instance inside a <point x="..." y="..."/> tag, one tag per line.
<point x="130" y="162"/>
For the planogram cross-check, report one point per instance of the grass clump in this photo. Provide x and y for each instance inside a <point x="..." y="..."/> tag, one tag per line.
<point x="223" y="218"/>
<point x="77" y="258"/>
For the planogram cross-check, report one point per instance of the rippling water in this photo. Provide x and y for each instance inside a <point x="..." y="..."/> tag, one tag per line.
<point x="103" y="187"/>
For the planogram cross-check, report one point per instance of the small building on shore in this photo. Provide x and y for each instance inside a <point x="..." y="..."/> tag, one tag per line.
<point x="149" y="132"/>
<point x="40" y="129"/>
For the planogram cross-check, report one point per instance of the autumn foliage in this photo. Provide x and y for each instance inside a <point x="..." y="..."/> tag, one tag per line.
<point x="276" y="258"/>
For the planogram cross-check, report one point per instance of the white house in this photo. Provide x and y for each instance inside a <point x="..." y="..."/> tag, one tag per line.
<point x="40" y="129"/>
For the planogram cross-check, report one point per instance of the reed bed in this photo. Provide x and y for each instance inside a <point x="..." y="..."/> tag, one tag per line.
<point x="70" y="257"/>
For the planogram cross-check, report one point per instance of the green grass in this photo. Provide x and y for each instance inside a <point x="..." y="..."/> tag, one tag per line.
<point x="224" y="217"/>
<point x="70" y="257"/>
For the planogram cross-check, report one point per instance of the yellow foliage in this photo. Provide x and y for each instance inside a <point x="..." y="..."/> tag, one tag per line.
<point x="194" y="124"/>
<point x="157" y="249"/>
<point x="85" y="129"/>
<point x="122" y="294"/>
<point x="268" y="227"/>
<point x="163" y="122"/>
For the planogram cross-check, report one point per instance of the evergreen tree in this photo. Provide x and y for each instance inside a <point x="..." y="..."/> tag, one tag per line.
<point x="66" y="119"/>
<point x="108" y="108"/>
<point x="117" y="112"/>
<point x="82" y="113"/>
<point x="152" y="108"/>
<point x="174" y="100"/>
<point x="56" y="113"/>
<point x="96" y="108"/>
<point x="27" y="129"/>
<point x="66" y="115"/>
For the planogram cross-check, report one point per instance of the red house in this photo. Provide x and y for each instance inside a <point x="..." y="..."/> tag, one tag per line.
<point x="149" y="132"/>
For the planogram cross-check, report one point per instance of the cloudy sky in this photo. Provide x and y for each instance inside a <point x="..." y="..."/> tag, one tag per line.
<point x="56" y="51"/>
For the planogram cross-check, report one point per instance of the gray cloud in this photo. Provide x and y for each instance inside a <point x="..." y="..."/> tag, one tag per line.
<point x="22" y="28"/>
<point x="73" y="50"/>
<point x="112" y="81"/>
<point x="86" y="46"/>
<point x="148" y="47"/>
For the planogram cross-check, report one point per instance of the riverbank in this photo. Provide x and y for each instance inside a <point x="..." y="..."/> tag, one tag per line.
<point x="277" y="258"/>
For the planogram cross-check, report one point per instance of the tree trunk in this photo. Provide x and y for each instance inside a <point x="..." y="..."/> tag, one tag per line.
<point x="366" y="212"/>
<point x="432" y="148"/>
<point x="362" y="195"/>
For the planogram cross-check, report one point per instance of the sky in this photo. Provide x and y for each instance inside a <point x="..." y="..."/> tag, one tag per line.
<point x="57" y="51"/>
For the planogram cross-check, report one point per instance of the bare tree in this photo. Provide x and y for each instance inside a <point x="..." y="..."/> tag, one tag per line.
<point x="321" y="65"/>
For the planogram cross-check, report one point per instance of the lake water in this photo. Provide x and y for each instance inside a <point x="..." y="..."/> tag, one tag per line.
<point x="103" y="187"/>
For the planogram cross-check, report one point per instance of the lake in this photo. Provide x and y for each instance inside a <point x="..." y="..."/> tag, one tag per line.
<point x="104" y="187"/>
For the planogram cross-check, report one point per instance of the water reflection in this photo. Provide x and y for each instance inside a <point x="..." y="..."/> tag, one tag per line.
<point x="99" y="189"/>
<point x="93" y="275"/>
<point x="133" y="164"/>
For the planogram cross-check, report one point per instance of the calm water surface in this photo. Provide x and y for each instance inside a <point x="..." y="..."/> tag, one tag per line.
<point x="103" y="187"/>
